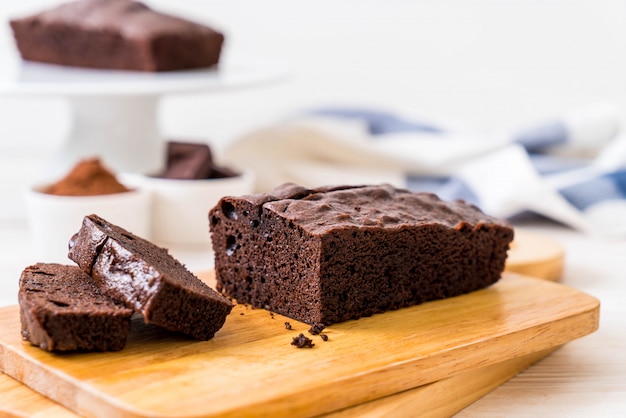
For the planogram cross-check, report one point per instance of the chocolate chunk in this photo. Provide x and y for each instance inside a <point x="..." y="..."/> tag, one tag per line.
<point x="220" y="172"/>
<point x="188" y="161"/>
<point x="193" y="161"/>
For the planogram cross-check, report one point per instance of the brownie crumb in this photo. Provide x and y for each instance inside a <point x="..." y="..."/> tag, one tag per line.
<point x="302" y="341"/>
<point x="241" y="313"/>
<point x="316" y="329"/>
<point x="324" y="337"/>
<point x="287" y="325"/>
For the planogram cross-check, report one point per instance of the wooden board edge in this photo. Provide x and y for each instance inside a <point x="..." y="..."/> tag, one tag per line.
<point x="584" y="322"/>
<point x="550" y="269"/>
<point x="458" y="392"/>
<point x="536" y="255"/>
<point x="20" y="401"/>
<point x="438" y="399"/>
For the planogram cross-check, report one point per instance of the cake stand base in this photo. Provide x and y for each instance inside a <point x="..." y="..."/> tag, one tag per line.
<point x="121" y="130"/>
<point x="115" y="112"/>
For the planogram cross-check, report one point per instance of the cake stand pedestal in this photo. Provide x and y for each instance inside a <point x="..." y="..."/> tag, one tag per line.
<point x="114" y="113"/>
<point x="122" y="130"/>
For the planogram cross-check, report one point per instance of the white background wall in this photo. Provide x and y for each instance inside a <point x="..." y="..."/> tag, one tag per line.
<point x="486" y="63"/>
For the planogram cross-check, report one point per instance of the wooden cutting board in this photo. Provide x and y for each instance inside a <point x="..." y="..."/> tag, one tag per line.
<point x="444" y="398"/>
<point x="536" y="255"/>
<point x="440" y="399"/>
<point x="251" y="368"/>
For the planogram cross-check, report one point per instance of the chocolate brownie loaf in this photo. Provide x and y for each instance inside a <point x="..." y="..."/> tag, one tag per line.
<point x="116" y="34"/>
<point x="331" y="254"/>
<point x="61" y="309"/>
<point x="147" y="279"/>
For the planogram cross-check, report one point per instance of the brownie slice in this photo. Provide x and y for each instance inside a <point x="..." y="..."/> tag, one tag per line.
<point x="331" y="254"/>
<point x="61" y="309"/>
<point x="147" y="279"/>
<point x="116" y="34"/>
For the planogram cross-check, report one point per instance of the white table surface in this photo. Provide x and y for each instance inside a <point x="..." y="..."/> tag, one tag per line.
<point x="586" y="377"/>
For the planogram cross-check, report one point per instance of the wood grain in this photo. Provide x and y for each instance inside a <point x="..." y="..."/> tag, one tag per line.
<point x="536" y="255"/>
<point x="17" y="400"/>
<point x="444" y="398"/>
<point x="250" y="367"/>
<point x="435" y="400"/>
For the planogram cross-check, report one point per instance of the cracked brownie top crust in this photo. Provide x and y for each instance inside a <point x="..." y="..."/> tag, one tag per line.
<point x="330" y="254"/>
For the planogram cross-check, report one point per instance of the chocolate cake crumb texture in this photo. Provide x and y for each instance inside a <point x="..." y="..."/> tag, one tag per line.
<point x="302" y="341"/>
<point x="147" y="279"/>
<point x="331" y="254"/>
<point x="61" y="309"/>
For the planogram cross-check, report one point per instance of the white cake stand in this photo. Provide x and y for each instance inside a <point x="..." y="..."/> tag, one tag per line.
<point x="115" y="112"/>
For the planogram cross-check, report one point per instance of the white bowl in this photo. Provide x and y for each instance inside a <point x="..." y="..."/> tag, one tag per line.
<point x="55" y="219"/>
<point x="180" y="209"/>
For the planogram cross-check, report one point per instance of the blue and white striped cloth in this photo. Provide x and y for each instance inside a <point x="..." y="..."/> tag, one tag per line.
<point x="571" y="170"/>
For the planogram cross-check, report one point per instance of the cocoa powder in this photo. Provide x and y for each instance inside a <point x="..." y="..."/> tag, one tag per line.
<point x="88" y="178"/>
